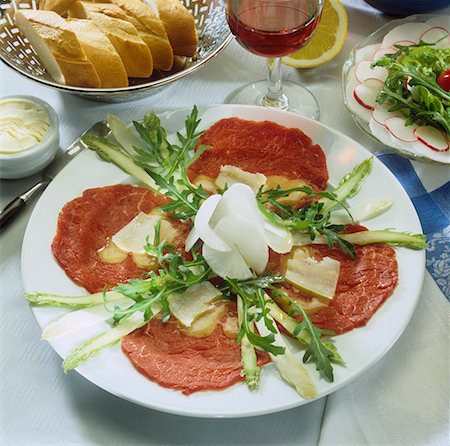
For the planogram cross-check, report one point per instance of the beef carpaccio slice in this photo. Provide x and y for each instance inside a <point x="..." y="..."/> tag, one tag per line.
<point x="261" y="147"/>
<point x="165" y="355"/>
<point x="364" y="284"/>
<point x="86" y="223"/>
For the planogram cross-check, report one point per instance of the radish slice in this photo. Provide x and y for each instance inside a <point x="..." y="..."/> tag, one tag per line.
<point x="437" y="33"/>
<point x="202" y="224"/>
<point x="380" y="114"/>
<point x="432" y="138"/>
<point x="407" y="83"/>
<point x="364" y="71"/>
<point x="191" y="239"/>
<point x="383" y="51"/>
<point x="239" y="233"/>
<point x="379" y="131"/>
<point x="278" y="239"/>
<point x="227" y="264"/>
<point x="397" y="128"/>
<point x="403" y="43"/>
<point x="438" y="20"/>
<point x="352" y="77"/>
<point x="407" y="31"/>
<point x="352" y="104"/>
<point x="239" y="199"/>
<point x="366" y="93"/>
<point x="366" y="52"/>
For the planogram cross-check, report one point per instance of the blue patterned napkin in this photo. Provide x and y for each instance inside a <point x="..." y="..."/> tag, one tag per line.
<point x="433" y="208"/>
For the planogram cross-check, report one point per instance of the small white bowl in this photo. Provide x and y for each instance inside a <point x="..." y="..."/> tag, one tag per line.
<point x="31" y="161"/>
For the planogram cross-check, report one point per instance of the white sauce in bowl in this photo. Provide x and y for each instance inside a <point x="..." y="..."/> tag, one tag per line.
<point x="29" y="136"/>
<point x="23" y="125"/>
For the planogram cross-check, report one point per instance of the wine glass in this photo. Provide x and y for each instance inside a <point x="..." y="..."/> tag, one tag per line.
<point x="273" y="29"/>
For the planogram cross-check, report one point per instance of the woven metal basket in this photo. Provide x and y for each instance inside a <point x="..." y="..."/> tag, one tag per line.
<point x="16" y="51"/>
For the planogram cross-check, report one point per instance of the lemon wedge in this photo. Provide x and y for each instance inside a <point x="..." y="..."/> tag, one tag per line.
<point x="326" y="42"/>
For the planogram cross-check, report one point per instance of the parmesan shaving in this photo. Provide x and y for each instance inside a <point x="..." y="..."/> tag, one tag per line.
<point x="313" y="277"/>
<point x="135" y="235"/>
<point x="194" y="302"/>
<point x="230" y="175"/>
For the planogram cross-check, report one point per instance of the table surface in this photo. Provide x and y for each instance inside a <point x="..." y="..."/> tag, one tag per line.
<point x="41" y="405"/>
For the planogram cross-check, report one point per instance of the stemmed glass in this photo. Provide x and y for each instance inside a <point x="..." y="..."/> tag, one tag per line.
<point x="273" y="29"/>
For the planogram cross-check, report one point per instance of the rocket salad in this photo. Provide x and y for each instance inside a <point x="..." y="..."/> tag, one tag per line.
<point x="412" y="86"/>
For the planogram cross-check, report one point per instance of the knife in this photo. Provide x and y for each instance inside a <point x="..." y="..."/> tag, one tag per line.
<point x="18" y="203"/>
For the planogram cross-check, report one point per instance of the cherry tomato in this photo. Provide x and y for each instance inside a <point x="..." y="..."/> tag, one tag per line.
<point x="444" y="80"/>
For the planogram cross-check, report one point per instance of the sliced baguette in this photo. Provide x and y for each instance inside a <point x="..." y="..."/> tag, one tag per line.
<point x="83" y="7"/>
<point x="57" y="47"/>
<point x="58" y="6"/>
<point x="101" y="52"/>
<point x="125" y="38"/>
<point x="151" y="29"/>
<point x="179" y="24"/>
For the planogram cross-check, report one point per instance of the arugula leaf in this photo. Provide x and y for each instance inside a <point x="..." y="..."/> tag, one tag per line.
<point x="253" y="310"/>
<point x="290" y="324"/>
<point x="169" y="157"/>
<point x="159" y="161"/>
<point x="332" y="238"/>
<point x="411" y="87"/>
<point x="186" y="199"/>
<point x="257" y="305"/>
<point x="175" y="275"/>
<point x="319" y="351"/>
<point x="311" y="219"/>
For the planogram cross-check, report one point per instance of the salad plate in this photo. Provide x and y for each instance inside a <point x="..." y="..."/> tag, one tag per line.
<point x="110" y="370"/>
<point x="361" y="85"/>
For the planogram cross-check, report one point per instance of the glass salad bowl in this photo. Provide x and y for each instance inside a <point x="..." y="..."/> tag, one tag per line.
<point x="373" y="47"/>
<point x="213" y="36"/>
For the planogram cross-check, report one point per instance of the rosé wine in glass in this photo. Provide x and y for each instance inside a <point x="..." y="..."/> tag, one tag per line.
<point x="273" y="29"/>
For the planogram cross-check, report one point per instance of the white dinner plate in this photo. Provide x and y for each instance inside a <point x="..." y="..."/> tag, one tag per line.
<point x="111" y="370"/>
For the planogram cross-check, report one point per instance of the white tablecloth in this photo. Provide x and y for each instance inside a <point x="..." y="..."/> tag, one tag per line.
<point x="402" y="400"/>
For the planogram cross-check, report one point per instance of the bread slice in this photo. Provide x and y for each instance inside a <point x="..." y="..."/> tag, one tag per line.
<point x="151" y="29"/>
<point x="179" y="24"/>
<point x="84" y="7"/>
<point x="57" y="48"/>
<point x="58" y="6"/>
<point x="101" y="52"/>
<point x="133" y="51"/>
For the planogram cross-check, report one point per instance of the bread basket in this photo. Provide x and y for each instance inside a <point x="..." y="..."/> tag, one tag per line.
<point x="17" y="53"/>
